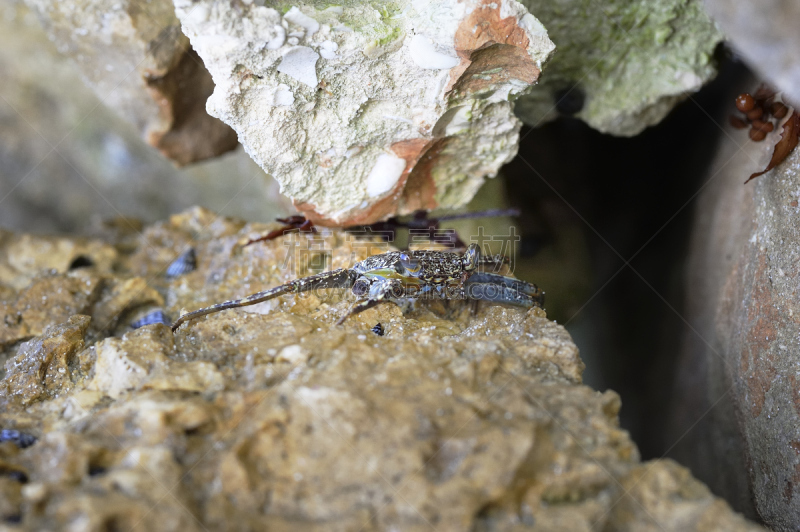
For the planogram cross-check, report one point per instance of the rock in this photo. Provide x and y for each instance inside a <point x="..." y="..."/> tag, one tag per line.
<point x="274" y="417"/>
<point x="136" y="59"/>
<point x="621" y="66"/>
<point x="689" y="504"/>
<point x="27" y="256"/>
<point x="740" y="362"/>
<point x="48" y="301"/>
<point x="69" y="161"/>
<point x="362" y="113"/>
<point x="45" y="366"/>
<point x="10" y="500"/>
<point x="765" y="35"/>
<point x="64" y="277"/>
<point x="119" y="298"/>
<point x="141" y="360"/>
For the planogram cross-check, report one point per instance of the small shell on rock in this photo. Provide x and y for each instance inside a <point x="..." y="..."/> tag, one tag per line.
<point x="156" y="316"/>
<point x="378" y="329"/>
<point x="186" y="263"/>
<point x="22" y="439"/>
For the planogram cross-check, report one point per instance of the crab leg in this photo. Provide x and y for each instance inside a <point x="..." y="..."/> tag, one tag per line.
<point x="493" y="260"/>
<point x="333" y="279"/>
<point x="378" y="293"/>
<point x="359" y="306"/>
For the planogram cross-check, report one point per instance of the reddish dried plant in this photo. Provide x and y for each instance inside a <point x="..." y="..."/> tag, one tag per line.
<point x="762" y="113"/>
<point x="419" y="221"/>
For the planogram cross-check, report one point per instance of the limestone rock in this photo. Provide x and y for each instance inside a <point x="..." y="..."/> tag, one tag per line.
<point x="46" y="280"/>
<point x="101" y="176"/>
<point x="44" y="366"/>
<point x="360" y="112"/>
<point x="119" y="297"/>
<point x="621" y="65"/>
<point x="27" y="256"/>
<point x="274" y="417"/>
<point x="48" y="301"/>
<point x="765" y="34"/>
<point x="134" y="56"/>
<point x="665" y="492"/>
<point x="741" y="365"/>
<point x="141" y="360"/>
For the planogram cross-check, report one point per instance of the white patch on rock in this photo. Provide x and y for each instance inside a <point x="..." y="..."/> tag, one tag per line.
<point x="385" y="174"/>
<point x="355" y="150"/>
<point x="279" y="39"/>
<point x="328" y="49"/>
<point x="532" y="24"/>
<point x="300" y="63"/>
<point x="295" y="16"/>
<point x="283" y="96"/>
<point x="200" y="14"/>
<point x="453" y="122"/>
<point x="688" y="79"/>
<point x="425" y="55"/>
<point x="293" y="354"/>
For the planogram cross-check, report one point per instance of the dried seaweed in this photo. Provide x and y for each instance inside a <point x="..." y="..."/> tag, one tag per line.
<point x="788" y="142"/>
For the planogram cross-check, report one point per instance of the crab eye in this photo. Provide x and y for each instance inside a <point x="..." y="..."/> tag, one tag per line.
<point x="409" y="264"/>
<point x="472" y="257"/>
<point x="360" y="287"/>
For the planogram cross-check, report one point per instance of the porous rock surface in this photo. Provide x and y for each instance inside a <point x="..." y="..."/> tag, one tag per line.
<point x="273" y="417"/>
<point x="133" y="55"/>
<point x="621" y="65"/>
<point x="367" y="109"/>
<point x="741" y="362"/>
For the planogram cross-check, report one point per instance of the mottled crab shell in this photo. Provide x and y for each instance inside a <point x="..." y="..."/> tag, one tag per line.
<point x="413" y="265"/>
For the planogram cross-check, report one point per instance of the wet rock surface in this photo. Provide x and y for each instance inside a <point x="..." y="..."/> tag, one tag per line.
<point x="272" y="416"/>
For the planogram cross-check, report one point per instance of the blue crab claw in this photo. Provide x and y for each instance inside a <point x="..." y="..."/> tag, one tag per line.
<point x="501" y="289"/>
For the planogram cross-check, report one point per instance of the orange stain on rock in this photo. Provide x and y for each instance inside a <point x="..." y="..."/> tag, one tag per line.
<point x="493" y="50"/>
<point x="485" y="27"/>
<point x="757" y="364"/>
<point x="493" y="65"/>
<point x="420" y="189"/>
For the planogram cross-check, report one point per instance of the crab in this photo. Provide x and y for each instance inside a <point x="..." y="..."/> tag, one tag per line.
<point x="401" y="275"/>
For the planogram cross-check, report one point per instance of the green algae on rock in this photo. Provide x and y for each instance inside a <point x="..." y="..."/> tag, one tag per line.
<point x="630" y="61"/>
